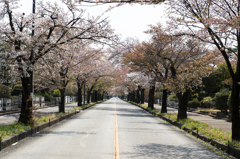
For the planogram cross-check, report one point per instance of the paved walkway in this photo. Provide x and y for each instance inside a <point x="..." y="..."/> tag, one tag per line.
<point x="13" y="118"/>
<point x="213" y="122"/>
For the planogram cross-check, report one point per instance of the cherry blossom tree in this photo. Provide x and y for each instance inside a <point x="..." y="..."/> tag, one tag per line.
<point x="119" y="55"/>
<point x="85" y="70"/>
<point x="151" y="63"/>
<point x="143" y="58"/>
<point x="119" y="80"/>
<point x="215" y="22"/>
<point x="180" y="56"/>
<point x="54" y="25"/>
<point x="121" y="1"/>
<point x="135" y="80"/>
<point x="140" y="62"/>
<point x="185" y="60"/>
<point x="187" y="73"/>
<point x="58" y="72"/>
<point x="100" y="68"/>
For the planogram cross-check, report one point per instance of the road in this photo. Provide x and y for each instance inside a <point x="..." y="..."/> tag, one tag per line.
<point x="113" y="129"/>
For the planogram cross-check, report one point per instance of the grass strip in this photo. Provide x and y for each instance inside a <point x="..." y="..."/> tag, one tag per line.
<point x="203" y="128"/>
<point x="12" y="129"/>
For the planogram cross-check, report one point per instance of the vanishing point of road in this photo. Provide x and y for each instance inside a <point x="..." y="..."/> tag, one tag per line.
<point x="113" y="129"/>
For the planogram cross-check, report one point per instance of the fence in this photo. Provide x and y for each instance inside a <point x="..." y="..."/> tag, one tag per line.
<point x="38" y="101"/>
<point x="56" y="100"/>
<point x="14" y="104"/>
<point x="9" y="104"/>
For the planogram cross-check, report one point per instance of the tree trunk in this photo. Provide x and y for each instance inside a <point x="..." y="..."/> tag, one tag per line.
<point x="96" y="96"/>
<point x="133" y="97"/>
<point x="99" y="96"/>
<point x="235" y="111"/>
<point x="93" y="96"/>
<point x="153" y="91"/>
<point x="182" y="106"/>
<point x="142" y="95"/>
<point x="164" y="101"/>
<point x="84" y="94"/>
<point x="138" y="94"/>
<point x="62" y="103"/>
<point x="79" y="94"/>
<point x="89" y="92"/>
<point x="88" y="96"/>
<point x="26" y="115"/>
<point x="151" y="97"/>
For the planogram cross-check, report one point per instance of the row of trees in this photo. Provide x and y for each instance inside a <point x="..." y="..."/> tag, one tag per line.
<point x="176" y="63"/>
<point x="56" y="45"/>
<point x="214" y="22"/>
<point x="204" y="22"/>
<point x="177" y="58"/>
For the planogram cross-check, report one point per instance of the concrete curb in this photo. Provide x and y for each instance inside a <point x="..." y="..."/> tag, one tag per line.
<point x="8" y="113"/>
<point x="221" y="146"/>
<point x="8" y="141"/>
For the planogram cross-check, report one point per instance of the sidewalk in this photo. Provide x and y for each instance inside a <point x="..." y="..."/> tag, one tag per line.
<point x="213" y="122"/>
<point x="13" y="118"/>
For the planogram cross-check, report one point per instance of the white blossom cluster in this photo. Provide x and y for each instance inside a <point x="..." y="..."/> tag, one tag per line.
<point x="51" y="39"/>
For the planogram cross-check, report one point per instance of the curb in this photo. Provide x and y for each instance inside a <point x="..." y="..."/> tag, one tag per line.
<point x="8" y="113"/>
<point x="29" y="132"/>
<point x="211" y="115"/>
<point x="221" y="146"/>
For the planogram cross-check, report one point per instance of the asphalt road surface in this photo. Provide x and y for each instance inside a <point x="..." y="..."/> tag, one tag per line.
<point x="113" y="129"/>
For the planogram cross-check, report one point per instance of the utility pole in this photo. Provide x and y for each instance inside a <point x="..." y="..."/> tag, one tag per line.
<point x="33" y="11"/>
<point x="32" y="86"/>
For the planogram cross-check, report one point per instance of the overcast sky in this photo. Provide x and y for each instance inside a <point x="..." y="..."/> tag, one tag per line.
<point x="127" y="20"/>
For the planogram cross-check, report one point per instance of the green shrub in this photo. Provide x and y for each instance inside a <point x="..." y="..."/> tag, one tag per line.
<point x="229" y="99"/>
<point x="56" y="93"/>
<point x="4" y="91"/>
<point x="173" y="97"/>
<point x="221" y="99"/>
<point x="71" y="90"/>
<point x="157" y="95"/>
<point x="194" y="103"/>
<point x="47" y="97"/>
<point x="17" y="90"/>
<point x="207" y="102"/>
<point x="14" y="97"/>
<point x="45" y="119"/>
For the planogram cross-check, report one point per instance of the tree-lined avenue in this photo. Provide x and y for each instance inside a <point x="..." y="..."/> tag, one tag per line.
<point x="72" y="53"/>
<point x="91" y="134"/>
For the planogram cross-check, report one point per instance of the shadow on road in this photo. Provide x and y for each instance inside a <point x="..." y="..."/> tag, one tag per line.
<point x="152" y="150"/>
<point x="129" y="110"/>
<point x="134" y="115"/>
<point x="64" y="133"/>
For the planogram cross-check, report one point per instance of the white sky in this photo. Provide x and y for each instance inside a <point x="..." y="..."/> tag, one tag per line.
<point x="127" y="20"/>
